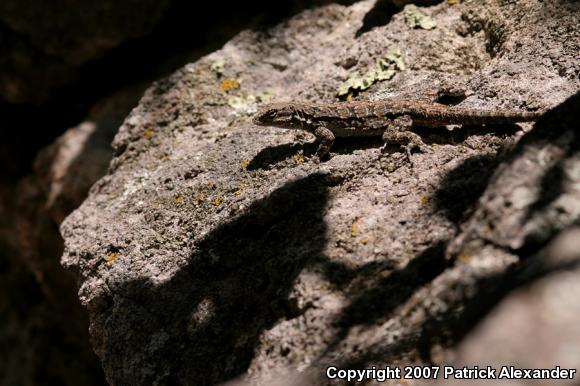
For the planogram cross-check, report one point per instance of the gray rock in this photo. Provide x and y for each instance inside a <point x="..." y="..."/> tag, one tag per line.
<point x="535" y="327"/>
<point x="215" y="249"/>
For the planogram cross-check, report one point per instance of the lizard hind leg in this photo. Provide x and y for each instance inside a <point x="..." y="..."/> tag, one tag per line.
<point x="398" y="132"/>
<point x="326" y="138"/>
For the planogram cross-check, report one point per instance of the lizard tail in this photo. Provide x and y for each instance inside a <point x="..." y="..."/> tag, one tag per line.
<point x="465" y="116"/>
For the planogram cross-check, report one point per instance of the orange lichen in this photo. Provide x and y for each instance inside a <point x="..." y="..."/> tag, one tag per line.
<point x="149" y="133"/>
<point x="464" y="257"/>
<point x="112" y="257"/>
<point x="229" y="84"/>
<point x="299" y="159"/>
<point x="245" y="163"/>
<point x="355" y="228"/>
<point x="217" y="201"/>
<point x="179" y="200"/>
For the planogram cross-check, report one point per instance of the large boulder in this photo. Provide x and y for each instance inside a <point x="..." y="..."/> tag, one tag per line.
<point x="215" y="249"/>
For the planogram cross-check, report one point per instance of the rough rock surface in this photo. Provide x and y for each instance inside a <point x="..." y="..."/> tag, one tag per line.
<point x="537" y="326"/>
<point x="216" y="249"/>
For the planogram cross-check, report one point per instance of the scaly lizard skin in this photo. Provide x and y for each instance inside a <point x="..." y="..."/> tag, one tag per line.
<point x="390" y="119"/>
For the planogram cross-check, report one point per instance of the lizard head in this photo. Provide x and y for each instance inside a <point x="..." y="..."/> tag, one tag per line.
<point x="283" y="115"/>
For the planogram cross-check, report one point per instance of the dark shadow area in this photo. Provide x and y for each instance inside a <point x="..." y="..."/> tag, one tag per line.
<point x="463" y="186"/>
<point x="272" y="155"/>
<point x="25" y="130"/>
<point x="53" y="331"/>
<point x="377" y="303"/>
<point x="450" y="99"/>
<point x="383" y="11"/>
<point x="552" y="127"/>
<point x="349" y="145"/>
<point x="379" y="15"/>
<point x="388" y="293"/>
<point x="341" y="275"/>
<point x="234" y="287"/>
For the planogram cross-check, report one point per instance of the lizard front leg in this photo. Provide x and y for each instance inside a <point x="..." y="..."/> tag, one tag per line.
<point x="398" y="132"/>
<point x="326" y="138"/>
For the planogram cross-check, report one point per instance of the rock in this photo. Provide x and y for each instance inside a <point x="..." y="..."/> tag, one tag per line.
<point x="67" y="168"/>
<point x="534" y="194"/>
<point x="536" y="326"/>
<point x="216" y="250"/>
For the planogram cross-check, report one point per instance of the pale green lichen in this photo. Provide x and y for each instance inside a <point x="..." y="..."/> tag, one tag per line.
<point x="393" y="56"/>
<point x="417" y="19"/>
<point x="384" y="69"/>
<point x="218" y="67"/>
<point x="248" y="103"/>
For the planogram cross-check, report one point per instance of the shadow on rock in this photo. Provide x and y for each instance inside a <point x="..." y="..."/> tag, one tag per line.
<point x="206" y="320"/>
<point x="379" y="15"/>
<point x="383" y="11"/>
<point x="559" y="127"/>
<point x="270" y="156"/>
<point x="378" y="302"/>
<point x="463" y="186"/>
<point x="275" y="154"/>
<point x="386" y="294"/>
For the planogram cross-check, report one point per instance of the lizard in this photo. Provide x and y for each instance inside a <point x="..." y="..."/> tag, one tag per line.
<point x="390" y="118"/>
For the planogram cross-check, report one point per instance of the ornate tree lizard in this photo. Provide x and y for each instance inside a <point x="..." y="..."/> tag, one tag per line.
<point x="391" y="119"/>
